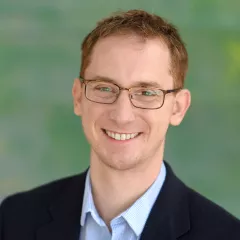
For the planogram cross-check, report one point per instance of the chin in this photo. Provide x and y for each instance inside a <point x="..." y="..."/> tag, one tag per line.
<point x="120" y="163"/>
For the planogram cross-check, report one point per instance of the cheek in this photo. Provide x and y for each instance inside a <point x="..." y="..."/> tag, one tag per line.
<point x="90" y="115"/>
<point x="158" y="123"/>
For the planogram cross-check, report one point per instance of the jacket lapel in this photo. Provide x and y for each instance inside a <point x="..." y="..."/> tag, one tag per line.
<point x="64" y="213"/>
<point x="61" y="229"/>
<point x="169" y="217"/>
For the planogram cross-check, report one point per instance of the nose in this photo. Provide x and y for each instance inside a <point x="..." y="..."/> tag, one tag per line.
<point x="123" y="110"/>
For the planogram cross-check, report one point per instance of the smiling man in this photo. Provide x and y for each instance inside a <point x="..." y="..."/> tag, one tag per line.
<point x="130" y="90"/>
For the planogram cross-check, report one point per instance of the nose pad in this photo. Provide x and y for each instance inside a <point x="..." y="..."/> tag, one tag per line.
<point x="123" y="109"/>
<point x="125" y="97"/>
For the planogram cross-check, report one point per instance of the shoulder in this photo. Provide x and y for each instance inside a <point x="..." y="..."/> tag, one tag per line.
<point x="40" y="196"/>
<point x="207" y="216"/>
<point x="196" y="215"/>
<point x="23" y="213"/>
<point x="202" y="206"/>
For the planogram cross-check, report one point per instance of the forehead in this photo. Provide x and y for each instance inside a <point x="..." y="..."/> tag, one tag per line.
<point x="129" y="59"/>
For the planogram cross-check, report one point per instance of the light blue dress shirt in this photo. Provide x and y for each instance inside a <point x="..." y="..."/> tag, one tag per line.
<point x="128" y="225"/>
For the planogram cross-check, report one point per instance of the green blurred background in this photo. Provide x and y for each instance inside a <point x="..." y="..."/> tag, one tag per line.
<point x="41" y="139"/>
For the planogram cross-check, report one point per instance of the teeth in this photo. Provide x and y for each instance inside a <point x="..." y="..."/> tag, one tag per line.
<point x="132" y="135"/>
<point x="121" y="136"/>
<point x="117" y="136"/>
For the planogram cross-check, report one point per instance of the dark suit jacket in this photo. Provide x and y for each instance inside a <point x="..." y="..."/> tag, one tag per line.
<point x="52" y="212"/>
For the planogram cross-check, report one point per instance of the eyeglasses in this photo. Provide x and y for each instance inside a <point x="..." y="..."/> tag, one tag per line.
<point x="104" y="92"/>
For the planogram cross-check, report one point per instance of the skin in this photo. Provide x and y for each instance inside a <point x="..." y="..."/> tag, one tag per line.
<point x="121" y="171"/>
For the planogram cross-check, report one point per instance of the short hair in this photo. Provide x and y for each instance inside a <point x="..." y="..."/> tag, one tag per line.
<point x="146" y="26"/>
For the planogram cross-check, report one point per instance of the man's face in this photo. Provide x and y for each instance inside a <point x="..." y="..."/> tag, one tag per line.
<point x="127" y="61"/>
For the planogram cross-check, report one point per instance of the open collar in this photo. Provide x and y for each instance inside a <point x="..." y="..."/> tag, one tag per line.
<point x="136" y="215"/>
<point x="169" y="217"/>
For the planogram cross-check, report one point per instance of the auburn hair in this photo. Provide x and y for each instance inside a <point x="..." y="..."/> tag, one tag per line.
<point x="146" y="26"/>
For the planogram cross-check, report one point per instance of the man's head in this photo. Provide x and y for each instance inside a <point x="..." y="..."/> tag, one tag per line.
<point x="146" y="26"/>
<point x="142" y="52"/>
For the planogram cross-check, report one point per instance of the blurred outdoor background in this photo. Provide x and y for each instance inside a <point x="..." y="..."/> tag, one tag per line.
<point x="41" y="139"/>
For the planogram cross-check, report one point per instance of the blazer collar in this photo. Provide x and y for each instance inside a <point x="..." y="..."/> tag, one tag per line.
<point x="64" y="212"/>
<point x="168" y="219"/>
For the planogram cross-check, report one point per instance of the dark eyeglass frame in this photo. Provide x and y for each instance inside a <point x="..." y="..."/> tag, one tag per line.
<point x="165" y="92"/>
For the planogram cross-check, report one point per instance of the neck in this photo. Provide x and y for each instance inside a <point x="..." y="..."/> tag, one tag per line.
<point x="115" y="191"/>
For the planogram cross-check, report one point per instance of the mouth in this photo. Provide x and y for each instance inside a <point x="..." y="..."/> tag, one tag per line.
<point x="121" y="136"/>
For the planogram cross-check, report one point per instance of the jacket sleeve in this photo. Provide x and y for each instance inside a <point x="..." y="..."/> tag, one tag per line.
<point x="2" y="206"/>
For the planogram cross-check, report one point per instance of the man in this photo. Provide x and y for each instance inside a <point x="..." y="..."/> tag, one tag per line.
<point x="130" y="89"/>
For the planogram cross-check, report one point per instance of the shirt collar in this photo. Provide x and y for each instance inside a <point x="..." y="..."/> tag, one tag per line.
<point x="136" y="216"/>
<point x="88" y="204"/>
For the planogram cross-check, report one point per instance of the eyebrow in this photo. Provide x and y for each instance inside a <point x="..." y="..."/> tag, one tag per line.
<point x="136" y="84"/>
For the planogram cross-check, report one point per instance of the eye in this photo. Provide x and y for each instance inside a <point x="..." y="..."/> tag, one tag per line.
<point x="149" y="92"/>
<point x="104" y="88"/>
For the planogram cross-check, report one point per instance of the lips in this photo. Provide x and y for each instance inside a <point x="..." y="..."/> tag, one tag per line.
<point x="121" y="136"/>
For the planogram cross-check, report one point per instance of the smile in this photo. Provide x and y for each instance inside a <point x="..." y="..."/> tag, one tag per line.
<point x="121" y="136"/>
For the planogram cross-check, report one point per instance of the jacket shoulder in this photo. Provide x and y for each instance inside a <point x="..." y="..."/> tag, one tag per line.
<point x="23" y="213"/>
<point x="41" y="195"/>
<point x="207" y="216"/>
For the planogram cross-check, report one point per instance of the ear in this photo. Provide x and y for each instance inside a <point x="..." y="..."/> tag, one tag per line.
<point x="77" y="96"/>
<point x="181" y="105"/>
